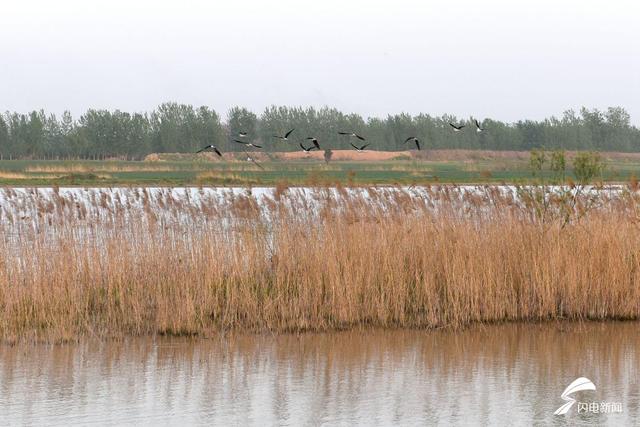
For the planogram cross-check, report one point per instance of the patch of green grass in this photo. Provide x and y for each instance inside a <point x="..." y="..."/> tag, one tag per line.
<point x="303" y="172"/>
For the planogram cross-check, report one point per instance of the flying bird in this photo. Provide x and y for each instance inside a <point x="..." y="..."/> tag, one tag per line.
<point x="359" y="149"/>
<point x="314" y="141"/>
<point x="352" y="134"/>
<point x="212" y="147"/>
<point x="285" y="137"/>
<point x="478" y="127"/>
<point x="456" y="128"/>
<point x="413" y="138"/>
<point x="306" y="150"/>
<point x="248" y="144"/>
<point x="252" y="160"/>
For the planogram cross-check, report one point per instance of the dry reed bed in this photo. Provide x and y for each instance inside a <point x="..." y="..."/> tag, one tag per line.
<point x="128" y="262"/>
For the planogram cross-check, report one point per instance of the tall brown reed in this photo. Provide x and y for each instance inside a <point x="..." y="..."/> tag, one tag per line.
<point x="131" y="262"/>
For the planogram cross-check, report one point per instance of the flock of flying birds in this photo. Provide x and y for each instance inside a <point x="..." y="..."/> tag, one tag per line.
<point x="315" y="145"/>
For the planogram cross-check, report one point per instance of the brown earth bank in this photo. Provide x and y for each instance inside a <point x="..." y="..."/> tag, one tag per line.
<point x="373" y="155"/>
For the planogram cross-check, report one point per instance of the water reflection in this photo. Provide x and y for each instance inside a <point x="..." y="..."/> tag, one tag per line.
<point x="506" y="375"/>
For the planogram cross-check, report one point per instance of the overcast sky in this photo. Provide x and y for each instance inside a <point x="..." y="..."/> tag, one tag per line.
<point x="501" y="59"/>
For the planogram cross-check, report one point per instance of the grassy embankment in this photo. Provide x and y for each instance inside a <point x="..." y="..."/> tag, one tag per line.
<point x="171" y="266"/>
<point x="405" y="168"/>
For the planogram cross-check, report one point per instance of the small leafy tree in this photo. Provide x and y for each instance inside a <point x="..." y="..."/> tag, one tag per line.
<point x="534" y="197"/>
<point x="561" y="204"/>
<point x="558" y="165"/>
<point x="587" y="166"/>
<point x="537" y="161"/>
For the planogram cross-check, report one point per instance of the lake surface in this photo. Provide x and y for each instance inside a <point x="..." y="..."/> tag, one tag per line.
<point x="485" y="375"/>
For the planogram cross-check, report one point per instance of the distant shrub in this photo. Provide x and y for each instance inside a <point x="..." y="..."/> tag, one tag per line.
<point x="537" y="160"/>
<point x="558" y="165"/>
<point x="587" y="166"/>
<point x="327" y="155"/>
<point x="486" y="174"/>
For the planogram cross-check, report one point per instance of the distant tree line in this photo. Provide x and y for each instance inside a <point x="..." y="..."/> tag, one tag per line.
<point x="172" y="127"/>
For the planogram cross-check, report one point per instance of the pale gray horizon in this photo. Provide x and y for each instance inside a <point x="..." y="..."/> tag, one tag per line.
<point x="499" y="59"/>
